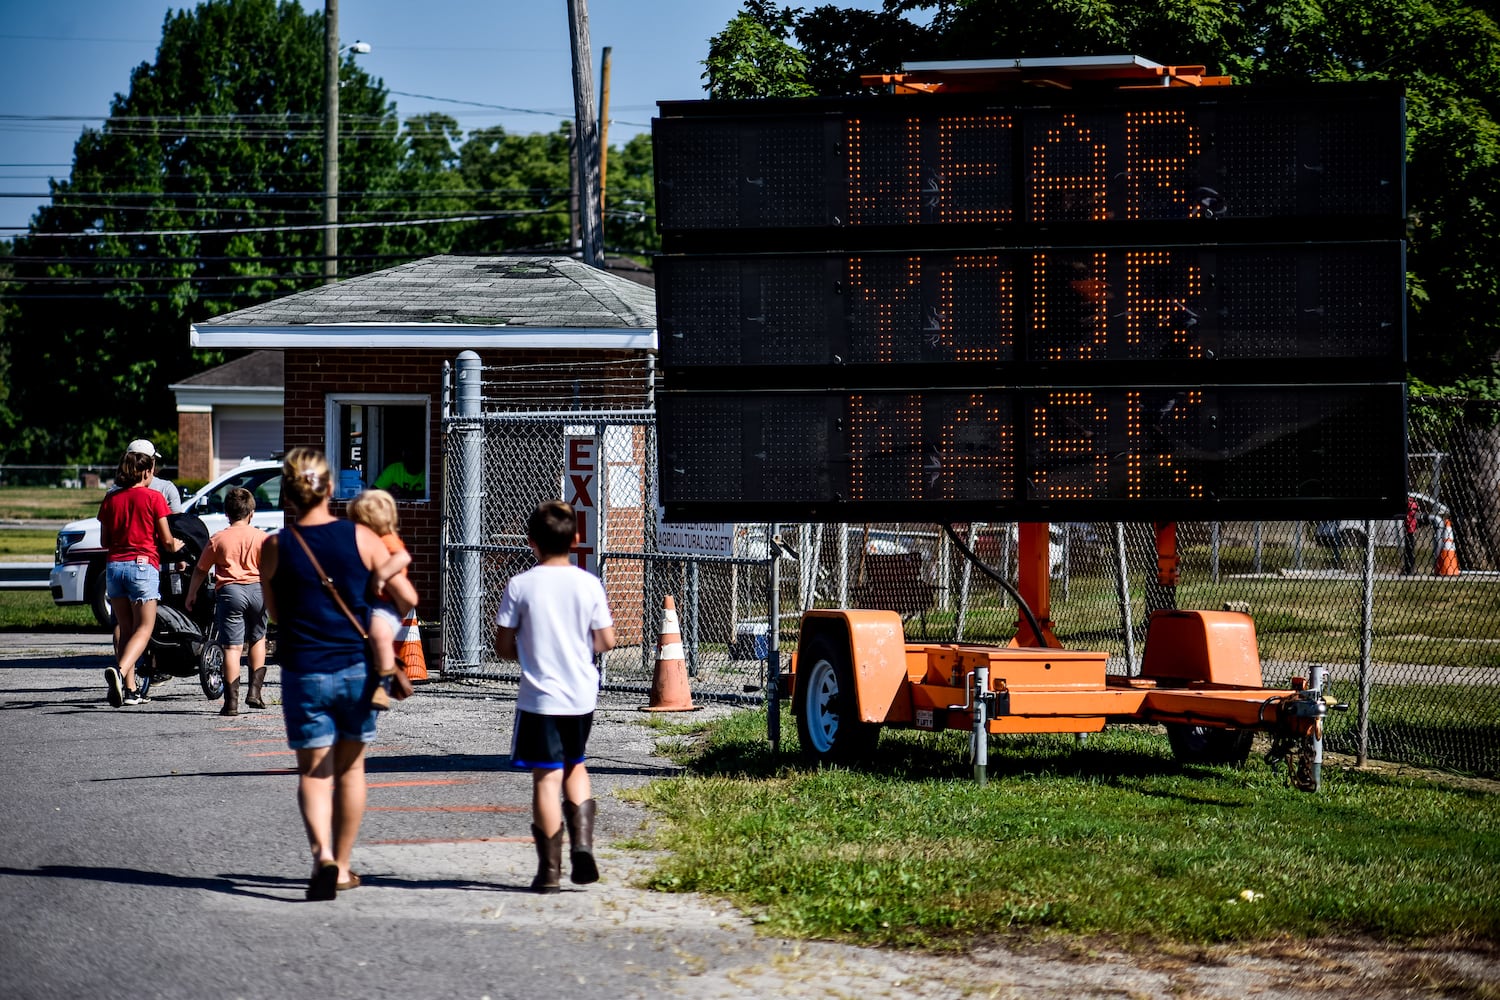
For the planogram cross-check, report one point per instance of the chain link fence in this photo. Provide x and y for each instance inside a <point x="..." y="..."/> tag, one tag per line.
<point x="1405" y="614"/>
<point x="500" y="462"/>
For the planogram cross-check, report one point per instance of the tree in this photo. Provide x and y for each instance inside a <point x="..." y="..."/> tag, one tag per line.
<point x="751" y="57"/>
<point x="526" y="180"/>
<point x="630" y="207"/>
<point x="200" y="194"/>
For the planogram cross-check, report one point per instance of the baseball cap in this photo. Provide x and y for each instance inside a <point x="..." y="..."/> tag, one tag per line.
<point x="144" y="447"/>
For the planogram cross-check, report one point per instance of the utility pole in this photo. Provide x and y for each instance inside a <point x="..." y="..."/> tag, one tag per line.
<point x="330" y="141"/>
<point x="603" y="132"/>
<point x="586" y="133"/>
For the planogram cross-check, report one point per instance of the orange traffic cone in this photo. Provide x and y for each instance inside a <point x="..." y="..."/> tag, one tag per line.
<point x="1447" y="560"/>
<point x="409" y="650"/>
<point x="669" y="686"/>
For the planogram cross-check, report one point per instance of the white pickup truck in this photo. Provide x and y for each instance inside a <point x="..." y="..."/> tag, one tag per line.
<point x="78" y="575"/>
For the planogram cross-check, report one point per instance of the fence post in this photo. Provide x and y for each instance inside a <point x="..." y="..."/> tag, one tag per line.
<point x="1366" y="644"/>
<point x="843" y="548"/>
<point x="1122" y="590"/>
<point x="773" y="642"/>
<point x="690" y="635"/>
<point x="468" y="510"/>
<point x="1214" y="552"/>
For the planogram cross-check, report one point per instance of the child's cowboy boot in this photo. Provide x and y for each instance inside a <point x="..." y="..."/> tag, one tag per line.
<point x="581" y="836"/>
<point x="231" y="698"/>
<point x="548" y="861"/>
<point x="252" y="697"/>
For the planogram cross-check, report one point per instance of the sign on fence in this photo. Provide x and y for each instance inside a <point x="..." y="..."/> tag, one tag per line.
<point x="694" y="538"/>
<point x="581" y="489"/>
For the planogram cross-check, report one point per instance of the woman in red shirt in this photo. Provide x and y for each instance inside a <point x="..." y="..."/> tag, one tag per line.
<point x="131" y="520"/>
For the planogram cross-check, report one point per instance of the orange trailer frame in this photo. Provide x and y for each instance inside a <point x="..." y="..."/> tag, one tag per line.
<point x="854" y="673"/>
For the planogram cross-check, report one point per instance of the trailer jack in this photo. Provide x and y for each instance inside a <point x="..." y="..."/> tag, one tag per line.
<point x="1301" y="747"/>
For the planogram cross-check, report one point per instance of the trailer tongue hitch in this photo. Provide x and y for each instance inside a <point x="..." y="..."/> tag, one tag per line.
<point x="1301" y="745"/>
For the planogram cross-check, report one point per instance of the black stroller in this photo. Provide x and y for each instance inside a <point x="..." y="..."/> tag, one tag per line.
<point x="185" y="643"/>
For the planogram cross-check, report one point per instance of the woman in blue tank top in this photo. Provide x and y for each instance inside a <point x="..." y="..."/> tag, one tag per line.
<point x="325" y="685"/>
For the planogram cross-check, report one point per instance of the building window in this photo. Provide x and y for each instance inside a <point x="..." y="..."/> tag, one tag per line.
<point x="379" y="441"/>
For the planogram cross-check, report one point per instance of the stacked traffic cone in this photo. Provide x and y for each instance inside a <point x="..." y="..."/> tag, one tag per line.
<point x="1447" y="560"/>
<point x="669" y="686"/>
<point x="409" y="650"/>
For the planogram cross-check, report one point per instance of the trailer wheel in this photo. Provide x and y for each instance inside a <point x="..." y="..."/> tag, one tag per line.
<point x="828" y="725"/>
<point x="1208" y="744"/>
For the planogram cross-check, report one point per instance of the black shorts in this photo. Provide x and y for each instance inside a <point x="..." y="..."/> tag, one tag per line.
<point x="549" y="742"/>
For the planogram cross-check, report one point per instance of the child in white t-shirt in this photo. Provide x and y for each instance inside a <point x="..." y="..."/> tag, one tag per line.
<point x="554" y="619"/>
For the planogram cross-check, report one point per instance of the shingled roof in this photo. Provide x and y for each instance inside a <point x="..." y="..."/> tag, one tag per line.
<point x="451" y="300"/>
<point x="256" y="369"/>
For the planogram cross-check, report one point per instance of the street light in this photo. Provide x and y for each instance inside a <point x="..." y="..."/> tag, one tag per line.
<point x="332" y="51"/>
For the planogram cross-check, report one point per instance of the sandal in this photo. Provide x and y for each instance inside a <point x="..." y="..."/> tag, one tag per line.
<point x="324" y="883"/>
<point x="351" y="883"/>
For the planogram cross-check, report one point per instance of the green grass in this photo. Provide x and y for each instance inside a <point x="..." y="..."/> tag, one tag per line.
<point x="33" y="611"/>
<point x="1429" y="725"/>
<point x="46" y="503"/>
<point x="1109" y="837"/>
<point x="26" y="544"/>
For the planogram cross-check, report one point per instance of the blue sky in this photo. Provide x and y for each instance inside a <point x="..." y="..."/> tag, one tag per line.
<point x="69" y="57"/>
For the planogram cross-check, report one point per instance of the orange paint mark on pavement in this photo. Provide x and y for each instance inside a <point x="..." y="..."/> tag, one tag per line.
<point x="270" y="753"/>
<point x="451" y="809"/>
<point x="423" y="781"/>
<point x="450" y="840"/>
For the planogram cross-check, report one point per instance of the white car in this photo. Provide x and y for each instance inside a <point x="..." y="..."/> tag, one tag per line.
<point x="78" y="575"/>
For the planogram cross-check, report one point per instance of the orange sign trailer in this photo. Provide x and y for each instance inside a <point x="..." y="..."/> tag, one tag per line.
<point x="1200" y="677"/>
<point x="854" y="672"/>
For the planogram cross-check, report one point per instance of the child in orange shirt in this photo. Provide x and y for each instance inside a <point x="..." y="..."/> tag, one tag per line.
<point x="239" y="607"/>
<point x="376" y="510"/>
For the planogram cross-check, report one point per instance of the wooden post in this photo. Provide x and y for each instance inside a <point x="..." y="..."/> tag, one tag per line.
<point x="330" y="140"/>
<point x="585" y="134"/>
<point x="603" y="133"/>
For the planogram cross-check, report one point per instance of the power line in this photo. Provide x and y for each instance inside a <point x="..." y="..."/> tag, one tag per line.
<point x="104" y="233"/>
<point x="188" y="278"/>
<point x="258" y="258"/>
<point x="415" y="192"/>
<point x="492" y="107"/>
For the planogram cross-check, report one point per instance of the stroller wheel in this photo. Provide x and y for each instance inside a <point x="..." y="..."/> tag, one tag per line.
<point x="211" y="670"/>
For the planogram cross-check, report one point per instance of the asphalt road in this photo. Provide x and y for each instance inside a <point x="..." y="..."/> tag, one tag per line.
<point x="157" y="851"/>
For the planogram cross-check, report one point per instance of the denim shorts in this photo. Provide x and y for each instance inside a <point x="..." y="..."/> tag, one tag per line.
<point x="319" y="708"/>
<point x="240" y="613"/>
<point x="138" y="581"/>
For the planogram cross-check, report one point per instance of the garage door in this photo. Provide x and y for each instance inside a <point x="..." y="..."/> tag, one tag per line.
<point x="240" y="439"/>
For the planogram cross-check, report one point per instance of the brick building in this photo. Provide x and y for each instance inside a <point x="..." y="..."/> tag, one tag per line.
<point x="228" y="414"/>
<point x="363" y="362"/>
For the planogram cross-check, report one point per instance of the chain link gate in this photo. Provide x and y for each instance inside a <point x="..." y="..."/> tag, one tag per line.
<point x="499" y="465"/>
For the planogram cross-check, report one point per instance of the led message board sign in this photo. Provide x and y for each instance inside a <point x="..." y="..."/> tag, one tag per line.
<point x="1085" y="453"/>
<point x="1222" y="155"/>
<point x="1139" y="305"/>
<point x="1339" y="302"/>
